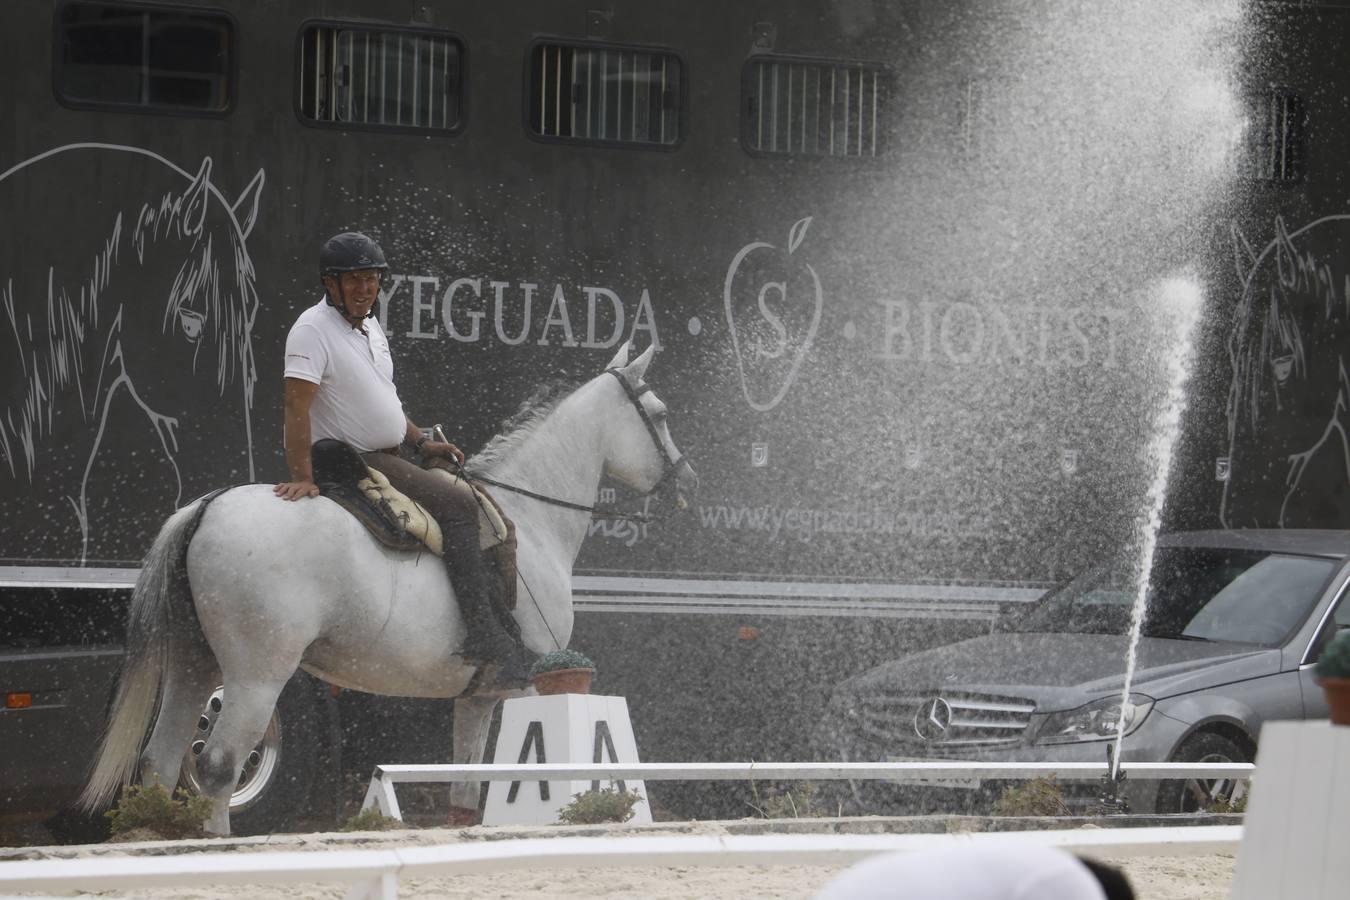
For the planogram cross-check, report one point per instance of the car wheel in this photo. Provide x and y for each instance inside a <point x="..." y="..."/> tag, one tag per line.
<point x="274" y="785"/>
<point x="1198" y="794"/>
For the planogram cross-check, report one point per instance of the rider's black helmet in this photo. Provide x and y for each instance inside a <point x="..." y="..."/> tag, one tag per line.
<point x="350" y="251"/>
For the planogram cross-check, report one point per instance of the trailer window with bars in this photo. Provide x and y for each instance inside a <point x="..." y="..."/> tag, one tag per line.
<point x="611" y="94"/>
<point x="385" y="78"/>
<point x="1276" y="137"/>
<point x="812" y="108"/>
<point x="154" y="58"/>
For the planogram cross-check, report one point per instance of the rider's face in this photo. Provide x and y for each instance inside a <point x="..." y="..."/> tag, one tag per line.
<point x="360" y="290"/>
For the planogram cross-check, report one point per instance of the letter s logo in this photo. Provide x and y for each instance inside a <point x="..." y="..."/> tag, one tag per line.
<point x="783" y="324"/>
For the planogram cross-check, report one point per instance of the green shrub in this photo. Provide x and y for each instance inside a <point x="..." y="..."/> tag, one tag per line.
<point x="1038" y="797"/>
<point x="152" y="811"/>
<point x="372" y="820"/>
<point x="1335" y="659"/>
<point x="798" y="800"/>
<point x="598" y="807"/>
<point x="556" y="660"/>
<point x="1229" y="804"/>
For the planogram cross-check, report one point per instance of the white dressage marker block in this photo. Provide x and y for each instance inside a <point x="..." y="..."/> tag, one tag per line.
<point x="1293" y="839"/>
<point x="560" y="728"/>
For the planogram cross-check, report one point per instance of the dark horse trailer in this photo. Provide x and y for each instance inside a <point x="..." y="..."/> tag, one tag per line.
<point x="902" y="263"/>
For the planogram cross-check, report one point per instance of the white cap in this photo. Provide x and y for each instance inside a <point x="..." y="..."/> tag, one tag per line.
<point x="969" y="871"/>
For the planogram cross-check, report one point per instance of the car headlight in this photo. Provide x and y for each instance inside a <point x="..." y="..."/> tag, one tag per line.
<point x="1096" y="721"/>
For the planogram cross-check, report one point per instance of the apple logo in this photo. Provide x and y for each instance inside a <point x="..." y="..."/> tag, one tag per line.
<point x="773" y="304"/>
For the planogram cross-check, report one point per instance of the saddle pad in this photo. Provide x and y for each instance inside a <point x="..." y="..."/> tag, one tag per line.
<point x="497" y="536"/>
<point x="402" y="523"/>
<point x="416" y="521"/>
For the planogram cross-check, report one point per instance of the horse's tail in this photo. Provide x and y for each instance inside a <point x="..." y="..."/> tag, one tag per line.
<point x="162" y="583"/>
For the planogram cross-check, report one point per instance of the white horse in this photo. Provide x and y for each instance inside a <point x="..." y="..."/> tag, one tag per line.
<point x="278" y="586"/>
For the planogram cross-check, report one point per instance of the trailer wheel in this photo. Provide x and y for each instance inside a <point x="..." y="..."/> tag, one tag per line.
<point x="274" y="786"/>
<point x="1199" y="794"/>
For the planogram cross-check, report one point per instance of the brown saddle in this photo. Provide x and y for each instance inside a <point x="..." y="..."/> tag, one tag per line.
<point x="401" y="523"/>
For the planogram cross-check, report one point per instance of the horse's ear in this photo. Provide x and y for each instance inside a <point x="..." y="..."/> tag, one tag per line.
<point x="621" y="358"/>
<point x="246" y="207"/>
<point x="638" y="367"/>
<point x="193" y="205"/>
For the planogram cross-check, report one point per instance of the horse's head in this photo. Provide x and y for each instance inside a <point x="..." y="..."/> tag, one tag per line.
<point x="1287" y="352"/>
<point x="638" y="448"/>
<point x="193" y="318"/>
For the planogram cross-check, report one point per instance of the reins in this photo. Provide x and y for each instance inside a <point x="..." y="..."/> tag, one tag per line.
<point x="671" y="467"/>
<point x="543" y="498"/>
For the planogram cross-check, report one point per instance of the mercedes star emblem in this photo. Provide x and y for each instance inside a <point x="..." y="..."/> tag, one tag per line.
<point x="933" y="719"/>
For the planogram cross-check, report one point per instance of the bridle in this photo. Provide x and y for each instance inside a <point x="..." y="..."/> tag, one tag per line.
<point x="672" y="464"/>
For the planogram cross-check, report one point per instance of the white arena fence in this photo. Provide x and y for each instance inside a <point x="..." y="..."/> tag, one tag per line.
<point x="376" y="873"/>
<point x="381" y="794"/>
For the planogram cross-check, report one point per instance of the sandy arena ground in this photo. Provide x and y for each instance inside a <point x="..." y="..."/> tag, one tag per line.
<point x="1154" y="878"/>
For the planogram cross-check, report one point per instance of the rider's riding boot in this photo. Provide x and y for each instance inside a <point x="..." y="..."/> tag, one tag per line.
<point x="487" y="642"/>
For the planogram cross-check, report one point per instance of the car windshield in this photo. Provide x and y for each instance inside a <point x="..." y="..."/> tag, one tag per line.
<point x="1203" y="594"/>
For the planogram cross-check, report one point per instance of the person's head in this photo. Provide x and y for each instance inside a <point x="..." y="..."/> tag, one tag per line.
<point x="351" y="266"/>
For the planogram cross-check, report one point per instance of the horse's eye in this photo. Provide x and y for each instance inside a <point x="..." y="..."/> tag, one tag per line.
<point x="191" y="323"/>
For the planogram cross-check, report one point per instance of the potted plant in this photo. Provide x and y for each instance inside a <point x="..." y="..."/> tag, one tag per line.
<point x="562" y="672"/>
<point x="1333" y="673"/>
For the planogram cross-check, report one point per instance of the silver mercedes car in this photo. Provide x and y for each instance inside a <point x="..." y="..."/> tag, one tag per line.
<point x="1235" y="621"/>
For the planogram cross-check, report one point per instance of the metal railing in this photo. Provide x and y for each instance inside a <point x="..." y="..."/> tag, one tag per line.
<point x="380" y="794"/>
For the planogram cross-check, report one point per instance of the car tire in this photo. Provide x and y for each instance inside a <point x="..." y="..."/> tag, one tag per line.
<point x="274" y="787"/>
<point x="1197" y="795"/>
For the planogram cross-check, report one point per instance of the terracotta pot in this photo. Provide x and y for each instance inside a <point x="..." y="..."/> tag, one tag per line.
<point x="563" y="681"/>
<point x="1337" y="691"/>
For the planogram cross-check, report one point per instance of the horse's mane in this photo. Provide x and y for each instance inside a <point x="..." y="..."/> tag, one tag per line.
<point x="524" y="422"/>
<point x="50" y="367"/>
<point x="1292" y="290"/>
<point x="72" y="358"/>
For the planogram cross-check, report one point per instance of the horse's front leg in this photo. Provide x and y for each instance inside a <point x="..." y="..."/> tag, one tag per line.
<point x="473" y="717"/>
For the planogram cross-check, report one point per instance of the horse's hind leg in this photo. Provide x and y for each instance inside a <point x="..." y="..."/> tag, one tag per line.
<point x="243" y="719"/>
<point x="189" y="678"/>
<point x="473" y="716"/>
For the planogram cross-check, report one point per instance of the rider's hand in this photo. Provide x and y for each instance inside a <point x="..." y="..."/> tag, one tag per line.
<point x="294" y="490"/>
<point x="442" y="449"/>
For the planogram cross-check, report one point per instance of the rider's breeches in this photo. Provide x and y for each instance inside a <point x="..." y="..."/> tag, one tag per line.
<point x="450" y="502"/>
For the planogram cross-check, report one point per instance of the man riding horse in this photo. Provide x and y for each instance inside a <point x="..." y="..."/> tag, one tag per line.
<point x="339" y="385"/>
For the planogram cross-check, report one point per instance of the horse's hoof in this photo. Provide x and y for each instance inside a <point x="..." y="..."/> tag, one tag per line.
<point x="462" y="817"/>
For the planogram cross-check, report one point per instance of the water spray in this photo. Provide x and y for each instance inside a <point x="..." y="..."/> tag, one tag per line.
<point x="1179" y="299"/>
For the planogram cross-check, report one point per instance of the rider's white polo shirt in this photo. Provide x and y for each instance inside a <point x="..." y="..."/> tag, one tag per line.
<point x="357" y="401"/>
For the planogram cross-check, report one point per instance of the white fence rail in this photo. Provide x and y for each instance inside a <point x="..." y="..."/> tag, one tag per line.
<point x="381" y="794"/>
<point x="376" y="873"/>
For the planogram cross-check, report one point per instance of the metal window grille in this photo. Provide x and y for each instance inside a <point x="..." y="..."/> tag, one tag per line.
<point x="162" y="58"/>
<point x="815" y="109"/>
<point x="394" y="79"/>
<point x="1276" y="132"/>
<point x="605" y="94"/>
